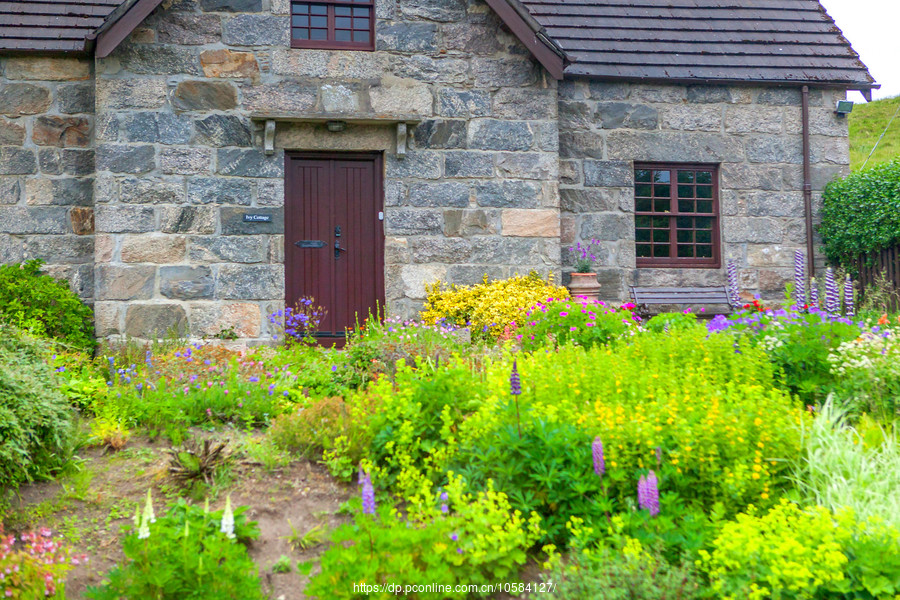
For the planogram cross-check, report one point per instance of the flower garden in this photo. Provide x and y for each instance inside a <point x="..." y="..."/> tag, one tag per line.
<point x="512" y="436"/>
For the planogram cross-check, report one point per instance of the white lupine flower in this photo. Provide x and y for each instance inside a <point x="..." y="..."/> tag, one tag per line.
<point x="228" y="520"/>
<point x="147" y="518"/>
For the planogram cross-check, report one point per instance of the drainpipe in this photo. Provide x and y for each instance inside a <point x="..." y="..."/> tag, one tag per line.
<point x="807" y="182"/>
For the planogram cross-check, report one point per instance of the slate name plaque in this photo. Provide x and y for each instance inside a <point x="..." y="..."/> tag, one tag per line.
<point x="257" y="218"/>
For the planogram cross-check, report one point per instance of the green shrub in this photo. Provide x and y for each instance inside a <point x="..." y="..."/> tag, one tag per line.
<point x="479" y="540"/>
<point x="861" y="213"/>
<point x="581" y="321"/>
<point x="185" y="554"/>
<point x="490" y="308"/>
<point x="38" y="302"/>
<point x="795" y="553"/>
<point x="35" y="419"/>
<point x="672" y="322"/>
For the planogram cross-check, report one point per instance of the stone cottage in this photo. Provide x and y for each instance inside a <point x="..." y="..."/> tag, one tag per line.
<point x="197" y="163"/>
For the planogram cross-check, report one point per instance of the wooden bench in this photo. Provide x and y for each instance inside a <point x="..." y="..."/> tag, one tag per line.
<point x="644" y="297"/>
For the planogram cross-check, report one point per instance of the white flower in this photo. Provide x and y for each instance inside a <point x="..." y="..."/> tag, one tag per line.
<point x="228" y="520"/>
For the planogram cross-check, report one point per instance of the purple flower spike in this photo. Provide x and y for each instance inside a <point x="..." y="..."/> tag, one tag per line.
<point x="832" y="295"/>
<point x="515" y="383"/>
<point x="368" y="495"/>
<point x="599" y="461"/>
<point x="648" y="493"/>
<point x="813" y="293"/>
<point x="849" y="309"/>
<point x="799" y="278"/>
<point x="734" y="294"/>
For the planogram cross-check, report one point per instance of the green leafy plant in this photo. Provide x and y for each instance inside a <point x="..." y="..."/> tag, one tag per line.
<point x="861" y="213"/>
<point x="36" y="433"/>
<point x="194" y="462"/>
<point x="284" y="564"/>
<point x="32" y="300"/>
<point x="187" y="553"/>
<point x="36" y="566"/>
<point x="313" y="537"/>
<point x="579" y="320"/>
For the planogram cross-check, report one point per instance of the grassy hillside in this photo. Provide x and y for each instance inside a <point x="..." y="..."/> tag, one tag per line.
<point x="867" y="121"/>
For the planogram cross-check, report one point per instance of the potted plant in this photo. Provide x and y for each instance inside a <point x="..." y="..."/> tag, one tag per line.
<point x="584" y="279"/>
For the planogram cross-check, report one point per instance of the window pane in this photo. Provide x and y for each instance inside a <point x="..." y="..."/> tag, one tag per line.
<point x="318" y="34"/>
<point x="661" y="251"/>
<point x="643" y="191"/>
<point x="704" y="191"/>
<point x="685" y="191"/>
<point x="704" y="236"/>
<point x="685" y="251"/>
<point x="703" y="223"/>
<point x="685" y="177"/>
<point x="704" y="252"/>
<point x="321" y="22"/>
<point x="343" y="22"/>
<point x="361" y="24"/>
<point x="360" y="36"/>
<point x="660" y="222"/>
<point x="318" y="9"/>
<point x="342" y="35"/>
<point x="642" y="235"/>
<point x="704" y="206"/>
<point x="360" y="12"/>
<point x="661" y="235"/>
<point x="301" y="9"/>
<point x="661" y="177"/>
<point x="704" y="176"/>
<point x="685" y="222"/>
<point x="643" y="205"/>
<point x="642" y="222"/>
<point x="301" y="21"/>
<point x="643" y="250"/>
<point x="663" y="205"/>
<point x="342" y="11"/>
<point x="662" y="191"/>
<point x="301" y="34"/>
<point x="685" y="236"/>
<point x="686" y="206"/>
<point x="642" y="175"/>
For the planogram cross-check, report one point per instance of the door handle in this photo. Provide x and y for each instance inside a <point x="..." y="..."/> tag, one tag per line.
<point x="338" y="250"/>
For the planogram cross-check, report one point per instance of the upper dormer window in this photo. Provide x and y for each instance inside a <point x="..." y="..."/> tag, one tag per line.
<point x="333" y="24"/>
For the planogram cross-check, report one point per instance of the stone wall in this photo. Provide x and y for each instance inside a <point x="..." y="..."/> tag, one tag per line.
<point x="754" y="134"/>
<point x="47" y="166"/>
<point x="179" y="159"/>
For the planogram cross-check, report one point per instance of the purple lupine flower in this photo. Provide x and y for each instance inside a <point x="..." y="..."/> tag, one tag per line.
<point x="734" y="294"/>
<point x="849" y="309"/>
<point x="515" y="383"/>
<point x="148" y="358"/>
<point x="648" y="493"/>
<point x="813" y="293"/>
<point x="832" y="295"/>
<point x="799" y="278"/>
<point x="368" y="495"/>
<point x="599" y="461"/>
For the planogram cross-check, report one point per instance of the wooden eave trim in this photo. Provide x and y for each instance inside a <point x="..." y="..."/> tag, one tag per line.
<point x="110" y="37"/>
<point x="553" y="62"/>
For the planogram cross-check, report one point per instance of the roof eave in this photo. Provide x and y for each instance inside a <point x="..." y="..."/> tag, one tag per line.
<point x="121" y="23"/>
<point x="534" y="38"/>
<point x="848" y="85"/>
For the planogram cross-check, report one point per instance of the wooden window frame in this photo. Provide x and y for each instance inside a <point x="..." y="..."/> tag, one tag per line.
<point x="331" y="43"/>
<point x="715" y="262"/>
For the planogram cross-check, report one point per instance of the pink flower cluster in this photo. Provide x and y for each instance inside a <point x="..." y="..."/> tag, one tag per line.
<point x="37" y="566"/>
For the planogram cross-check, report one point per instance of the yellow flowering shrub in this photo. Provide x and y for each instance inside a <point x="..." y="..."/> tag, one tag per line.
<point x="490" y="307"/>
<point x="795" y="553"/>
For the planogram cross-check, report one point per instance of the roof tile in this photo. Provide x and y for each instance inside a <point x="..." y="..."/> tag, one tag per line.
<point x="51" y="25"/>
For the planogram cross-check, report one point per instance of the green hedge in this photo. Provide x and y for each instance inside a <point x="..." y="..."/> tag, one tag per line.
<point x="861" y="213"/>
<point x="45" y="306"/>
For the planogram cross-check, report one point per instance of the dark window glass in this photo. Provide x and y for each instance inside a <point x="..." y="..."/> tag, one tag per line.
<point x="333" y="24"/>
<point x="677" y="221"/>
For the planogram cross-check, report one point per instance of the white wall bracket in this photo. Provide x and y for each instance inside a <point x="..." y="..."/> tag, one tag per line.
<point x="270" y="137"/>
<point x="402" y="139"/>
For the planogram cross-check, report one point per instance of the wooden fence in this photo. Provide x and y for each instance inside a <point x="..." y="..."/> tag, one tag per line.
<point x="872" y="267"/>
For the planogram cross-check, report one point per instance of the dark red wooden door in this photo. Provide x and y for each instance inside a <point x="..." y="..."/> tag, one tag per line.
<point x="334" y="238"/>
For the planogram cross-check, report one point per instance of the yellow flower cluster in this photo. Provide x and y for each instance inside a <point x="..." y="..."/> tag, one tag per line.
<point x="787" y="553"/>
<point x="491" y="306"/>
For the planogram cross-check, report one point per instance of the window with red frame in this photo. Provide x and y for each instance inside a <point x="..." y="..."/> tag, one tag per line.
<point x="676" y="215"/>
<point x="333" y="24"/>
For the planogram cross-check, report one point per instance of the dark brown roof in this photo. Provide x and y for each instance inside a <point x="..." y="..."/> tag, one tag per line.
<point x="784" y="41"/>
<point x="52" y="25"/>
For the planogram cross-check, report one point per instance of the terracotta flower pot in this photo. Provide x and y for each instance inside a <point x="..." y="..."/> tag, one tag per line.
<point x="585" y="284"/>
